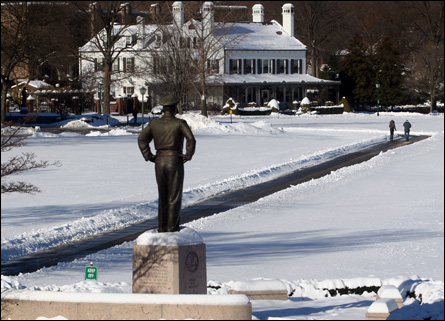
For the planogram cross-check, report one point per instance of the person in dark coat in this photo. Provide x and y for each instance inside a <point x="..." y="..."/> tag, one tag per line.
<point x="407" y="126"/>
<point x="135" y="112"/>
<point x="168" y="134"/>
<point x="392" y="127"/>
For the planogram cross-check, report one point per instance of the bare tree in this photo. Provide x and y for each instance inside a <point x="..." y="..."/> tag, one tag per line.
<point x="428" y="27"/>
<point x="168" y="66"/>
<point x="316" y="23"/>
<point x="13" y="137"/>
<point x="104" y="18"/>
<point x="30" y="39"/>
<point x="192" y="53"/>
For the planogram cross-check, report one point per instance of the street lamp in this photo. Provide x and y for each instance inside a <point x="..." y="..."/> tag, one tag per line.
<point x="378" y="100"/>
<point x="143" y="90"/>
<point x="101" y="86"/>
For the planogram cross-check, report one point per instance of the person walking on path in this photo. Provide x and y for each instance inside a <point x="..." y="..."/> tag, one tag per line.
<point x="168" y="134"/>
<point x="407" y="126"/>
<point x="135" y="113"/>
<point x="392" y="127"/>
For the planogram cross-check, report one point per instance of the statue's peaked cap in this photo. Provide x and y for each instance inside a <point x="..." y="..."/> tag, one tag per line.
<point x="170" y="100"/>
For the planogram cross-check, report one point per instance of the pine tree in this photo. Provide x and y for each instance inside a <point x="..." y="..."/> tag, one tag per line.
<point x="389" y="73"/>
<point x="358" y="67"/>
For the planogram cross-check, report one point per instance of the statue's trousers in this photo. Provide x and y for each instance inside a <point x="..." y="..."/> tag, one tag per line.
<point x="170" y="178"/>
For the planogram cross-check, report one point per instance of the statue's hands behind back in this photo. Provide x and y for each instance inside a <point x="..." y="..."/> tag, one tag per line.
<point x="152" y="158"/>
<point x="185" y="158"/>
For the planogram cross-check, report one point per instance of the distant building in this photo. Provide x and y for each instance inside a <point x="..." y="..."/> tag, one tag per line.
<point x="257" y="61"/>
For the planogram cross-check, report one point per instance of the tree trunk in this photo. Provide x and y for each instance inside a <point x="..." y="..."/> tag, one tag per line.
<point x="4" y="91"/>
<point x="433" y="99"/>
<point x="203" y="95"/>
<point x="107" y="84"/>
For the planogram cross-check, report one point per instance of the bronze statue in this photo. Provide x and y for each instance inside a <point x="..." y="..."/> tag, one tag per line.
<point x="168" y="133"/>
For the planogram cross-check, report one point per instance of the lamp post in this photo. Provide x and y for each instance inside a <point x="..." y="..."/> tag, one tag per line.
<point x="378" y="98"/>
<point x="101" y="86"/>
<point x="143" y="90"/>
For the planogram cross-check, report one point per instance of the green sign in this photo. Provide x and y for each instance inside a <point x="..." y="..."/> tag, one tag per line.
<point x="90" y="273"/>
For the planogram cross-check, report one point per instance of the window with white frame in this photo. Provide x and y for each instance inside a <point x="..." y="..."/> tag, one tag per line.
<point x="265" y="66"/>
<point x="116" y="64"/>
<point x="235" y="66"/>
<point x="128" y="64"/>
<point x="128" y="91"/>
<point x="249" y="66"/>
<point x="295" y="66"/>
<point x="281" y="66"/>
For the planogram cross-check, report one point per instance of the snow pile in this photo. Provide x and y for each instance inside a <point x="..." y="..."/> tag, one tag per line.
<point x="197" y="121"/>
<point x="202" y="124"/>
<point x="88" y="121"/>
<point x="256" y="285"/>
<point x="274" y="104"/>
<point x="79" y="123"/>
<point x="305" y="101"/>
<point x="112" y="132"/>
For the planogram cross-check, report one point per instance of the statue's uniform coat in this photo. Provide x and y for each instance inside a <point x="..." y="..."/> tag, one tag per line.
<point x="168" y="134"/>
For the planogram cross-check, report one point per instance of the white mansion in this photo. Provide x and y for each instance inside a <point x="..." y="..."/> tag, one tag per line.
<point x="255" y="61"/>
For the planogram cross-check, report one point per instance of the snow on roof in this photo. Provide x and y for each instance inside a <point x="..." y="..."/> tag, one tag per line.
<point x="123" y="30"/>
<point x="257" y="36"/>
<point x="38" y="84"/>
<point x="233" y="36"/>
<point x="274" y="79"/>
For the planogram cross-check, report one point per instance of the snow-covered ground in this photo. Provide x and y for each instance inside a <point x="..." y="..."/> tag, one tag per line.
<point x="375" y="223"/>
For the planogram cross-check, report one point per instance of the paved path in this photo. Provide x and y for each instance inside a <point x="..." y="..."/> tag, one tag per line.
<point x="78" y="249"/>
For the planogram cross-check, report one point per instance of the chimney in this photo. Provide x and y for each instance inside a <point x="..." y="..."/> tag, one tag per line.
<point x="208" y="16"/>
<point x="288" y="18"/>
<point x="178" y="14"/>
<point x="126" y="12"/>
<point x="92" y="8"/>
<point x="155" y="10"/>
<point x="258" y="13"/>
<point x="141" y="27"/>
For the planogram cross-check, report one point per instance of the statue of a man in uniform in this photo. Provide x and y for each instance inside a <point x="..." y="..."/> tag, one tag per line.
<point x="168" y="134"/>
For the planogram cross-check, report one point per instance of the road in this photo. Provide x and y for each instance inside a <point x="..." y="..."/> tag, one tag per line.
<point x="78" y="249"/>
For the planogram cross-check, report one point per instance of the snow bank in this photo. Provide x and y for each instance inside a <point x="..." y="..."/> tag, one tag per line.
<point x="138" y="298"/>
<point x="256" y="285"/>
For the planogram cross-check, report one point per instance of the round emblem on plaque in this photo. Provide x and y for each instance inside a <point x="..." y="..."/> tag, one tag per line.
<point x="192" y="261"/>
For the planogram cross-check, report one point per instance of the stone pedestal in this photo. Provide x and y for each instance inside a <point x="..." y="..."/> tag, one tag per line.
<point x="170" y="263"/>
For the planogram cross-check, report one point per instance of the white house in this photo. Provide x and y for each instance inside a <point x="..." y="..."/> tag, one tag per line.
<point x="255" y="61"/>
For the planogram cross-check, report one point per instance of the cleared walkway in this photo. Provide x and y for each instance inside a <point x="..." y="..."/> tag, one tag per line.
<point x="78" y="249"/>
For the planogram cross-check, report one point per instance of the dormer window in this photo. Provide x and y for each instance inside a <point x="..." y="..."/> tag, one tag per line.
<point x="158" y="39"/>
